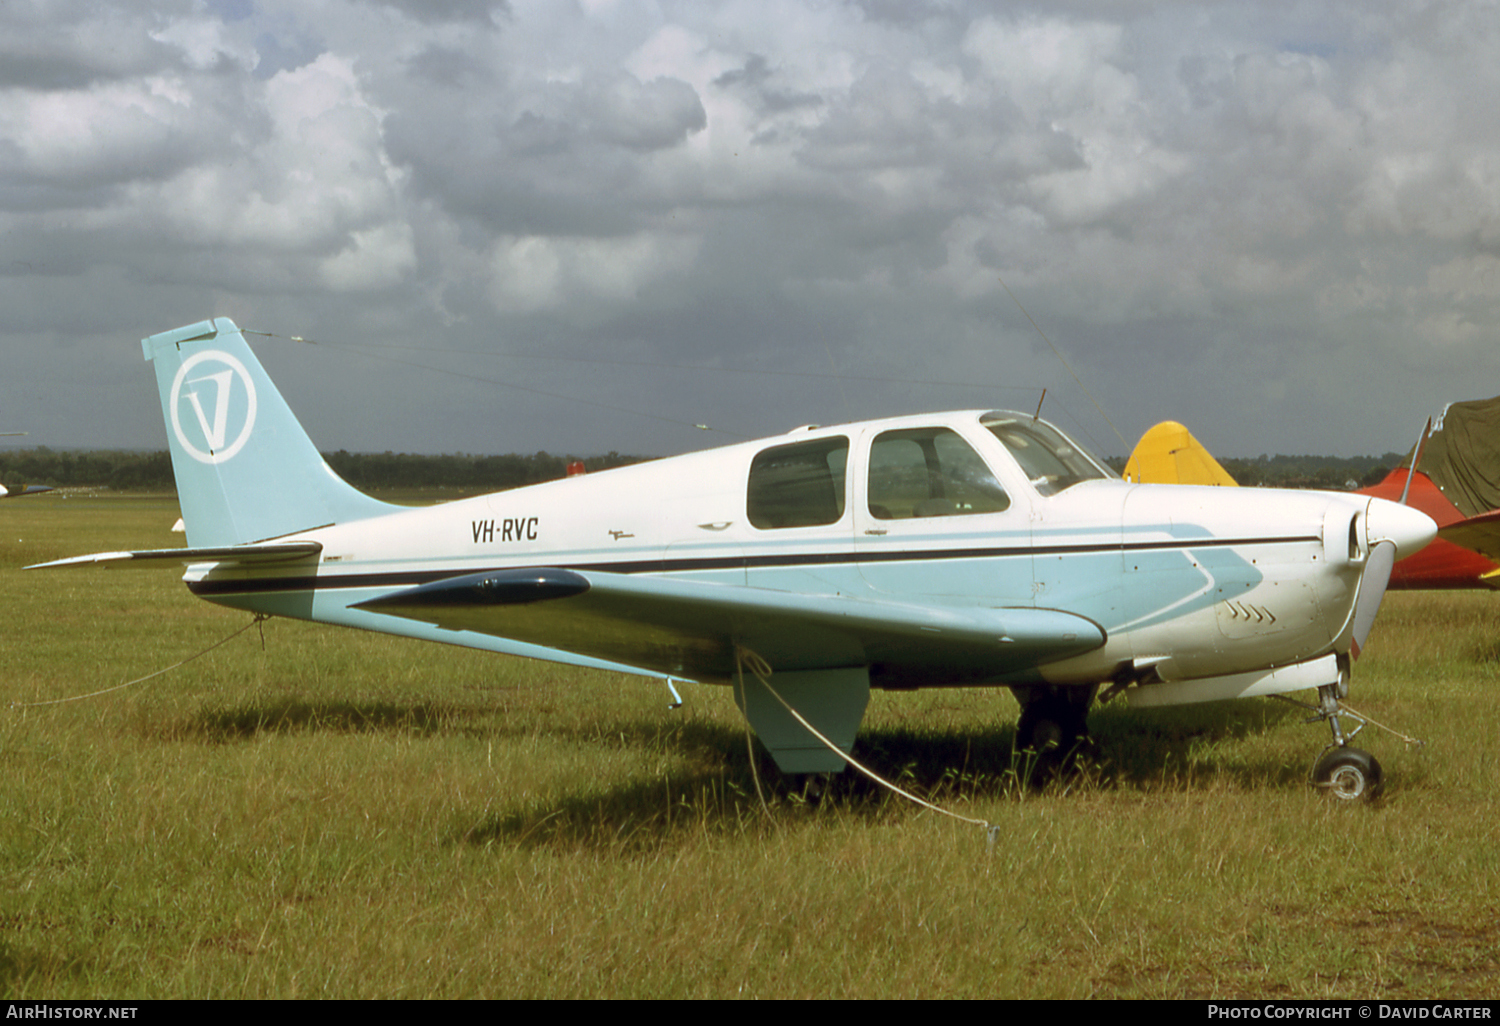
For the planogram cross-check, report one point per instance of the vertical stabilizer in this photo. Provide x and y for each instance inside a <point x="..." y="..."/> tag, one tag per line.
<point x="246" y="470"/>
<point x="1169" y="454"/>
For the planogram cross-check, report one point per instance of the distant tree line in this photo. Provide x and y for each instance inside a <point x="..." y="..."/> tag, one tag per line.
<point x="103" y="468"/>
<point x="124" y="470"/>
<point x="1328" y="472"/>
<point x="1332" y="473"/>
<point x="152" y="471"/>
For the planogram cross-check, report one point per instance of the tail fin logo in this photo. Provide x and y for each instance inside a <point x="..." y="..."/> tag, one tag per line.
<point x="213" y="395"/>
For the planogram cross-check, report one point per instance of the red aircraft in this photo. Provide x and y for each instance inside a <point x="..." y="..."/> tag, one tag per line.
<point x="1453" y="559"/>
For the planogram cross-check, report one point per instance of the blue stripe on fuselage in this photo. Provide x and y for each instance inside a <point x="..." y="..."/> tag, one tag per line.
<point x="1223" y="547"/>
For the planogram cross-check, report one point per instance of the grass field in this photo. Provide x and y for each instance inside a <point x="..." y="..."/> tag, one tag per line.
<point x="338" y="814"/>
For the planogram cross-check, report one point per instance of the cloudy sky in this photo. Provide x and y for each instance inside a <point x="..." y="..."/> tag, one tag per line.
<point x="590" y="226"/>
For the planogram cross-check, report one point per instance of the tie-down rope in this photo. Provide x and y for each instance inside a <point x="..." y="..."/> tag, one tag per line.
<point x="762" y="670"/>
<point x="259" y="618"/>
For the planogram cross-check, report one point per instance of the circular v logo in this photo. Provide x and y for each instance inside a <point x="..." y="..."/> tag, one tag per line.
<point x="219" y="397"/>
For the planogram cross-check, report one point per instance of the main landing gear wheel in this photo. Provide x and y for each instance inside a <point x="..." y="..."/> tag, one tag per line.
<point x="813" y="787"/>
<point x="1349" y="774"/>
<point x="1053" y="726"/>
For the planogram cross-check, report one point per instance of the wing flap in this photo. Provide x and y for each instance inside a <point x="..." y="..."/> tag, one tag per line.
<point x="232" y="555"/>
<point x="691" y="628"/>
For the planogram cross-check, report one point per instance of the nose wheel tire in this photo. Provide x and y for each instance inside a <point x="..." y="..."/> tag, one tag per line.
<point x="1348" y="774"/>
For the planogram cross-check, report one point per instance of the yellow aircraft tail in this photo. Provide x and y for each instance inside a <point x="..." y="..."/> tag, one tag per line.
<point x="1169" y="454"/>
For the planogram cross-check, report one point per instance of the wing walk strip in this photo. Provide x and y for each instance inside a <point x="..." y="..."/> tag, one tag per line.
<point x="311" y="582"/>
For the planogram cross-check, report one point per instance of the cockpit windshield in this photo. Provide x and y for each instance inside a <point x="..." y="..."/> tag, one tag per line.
<point x="1049" y="458"/>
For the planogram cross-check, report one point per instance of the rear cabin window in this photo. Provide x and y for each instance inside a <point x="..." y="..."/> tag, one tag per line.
<point x="798" y="485"/>
<point x="930" y="472"/>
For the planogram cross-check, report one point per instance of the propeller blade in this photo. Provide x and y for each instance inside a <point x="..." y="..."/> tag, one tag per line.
<point x="1371" y="590"/>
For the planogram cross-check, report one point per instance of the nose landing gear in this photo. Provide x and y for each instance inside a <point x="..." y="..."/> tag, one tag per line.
<point x="1347" y="773"/>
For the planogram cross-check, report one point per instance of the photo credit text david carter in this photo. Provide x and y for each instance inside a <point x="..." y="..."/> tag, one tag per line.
<point x="1352" y="1010"/>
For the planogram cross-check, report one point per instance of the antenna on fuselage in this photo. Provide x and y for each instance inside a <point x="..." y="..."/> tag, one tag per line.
<point x="1038" y="414"/>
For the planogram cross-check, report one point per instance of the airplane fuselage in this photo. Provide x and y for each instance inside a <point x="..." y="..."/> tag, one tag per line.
<point x="1184" y="582"/>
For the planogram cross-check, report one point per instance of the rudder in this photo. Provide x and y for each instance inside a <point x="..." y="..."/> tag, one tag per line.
<point x="245" y="468"/>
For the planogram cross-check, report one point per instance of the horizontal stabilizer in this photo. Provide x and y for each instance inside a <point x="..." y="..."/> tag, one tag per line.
<point x="242" y="555"/>
<point x="690" y="628"/>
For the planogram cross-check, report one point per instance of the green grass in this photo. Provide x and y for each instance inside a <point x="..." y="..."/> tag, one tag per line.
<point x="351" y="815"/>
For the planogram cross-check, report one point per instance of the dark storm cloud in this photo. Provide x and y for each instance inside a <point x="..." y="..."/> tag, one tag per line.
<point x="554" y="157"/>
<point x="1250" y="217"/>
<point x="431" y="11"/>
<point x="758" y="80"/>
<point x="450" y="68"/>
<point x="55" y="46"/>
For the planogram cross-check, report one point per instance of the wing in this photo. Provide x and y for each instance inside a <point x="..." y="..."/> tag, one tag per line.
<point x="691" y="628"/>
<point x="1479" y="534"/>
<point x="20" y="490"/>
<point x="231" y="555"/>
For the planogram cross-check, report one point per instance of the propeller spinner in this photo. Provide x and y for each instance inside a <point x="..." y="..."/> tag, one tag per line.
<point x="1392" y="532"/>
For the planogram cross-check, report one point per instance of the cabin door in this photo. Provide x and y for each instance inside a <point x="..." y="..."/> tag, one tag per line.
<point x="931" y="519"/>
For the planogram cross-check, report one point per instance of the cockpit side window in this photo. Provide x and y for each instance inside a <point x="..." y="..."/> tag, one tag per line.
<point x="930" y="472"/>
<point x="798" y="485"/>
<point x="1050" y="461"/>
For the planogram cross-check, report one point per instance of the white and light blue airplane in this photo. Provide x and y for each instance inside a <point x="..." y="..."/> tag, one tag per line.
<point x="7" y="493"/>
<point x="972" y="548"/>
<point x="20" y="490"/>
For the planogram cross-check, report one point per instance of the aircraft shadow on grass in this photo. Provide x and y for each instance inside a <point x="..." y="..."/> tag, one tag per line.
<point x="717" y="787"/>
<point x="714" y="782"/>
<point x="290" y="716"/>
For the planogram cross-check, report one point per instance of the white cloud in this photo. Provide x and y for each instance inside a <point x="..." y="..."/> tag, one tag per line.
<point x="582" y="277"/>
<point x="1052" y="67"/>
<point x="204" y="42"/>
<point x="1067" y="78"/>
<point x="104" y="134"/>
<point x="375" y="258"/>
<point x="314" y="175"/>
